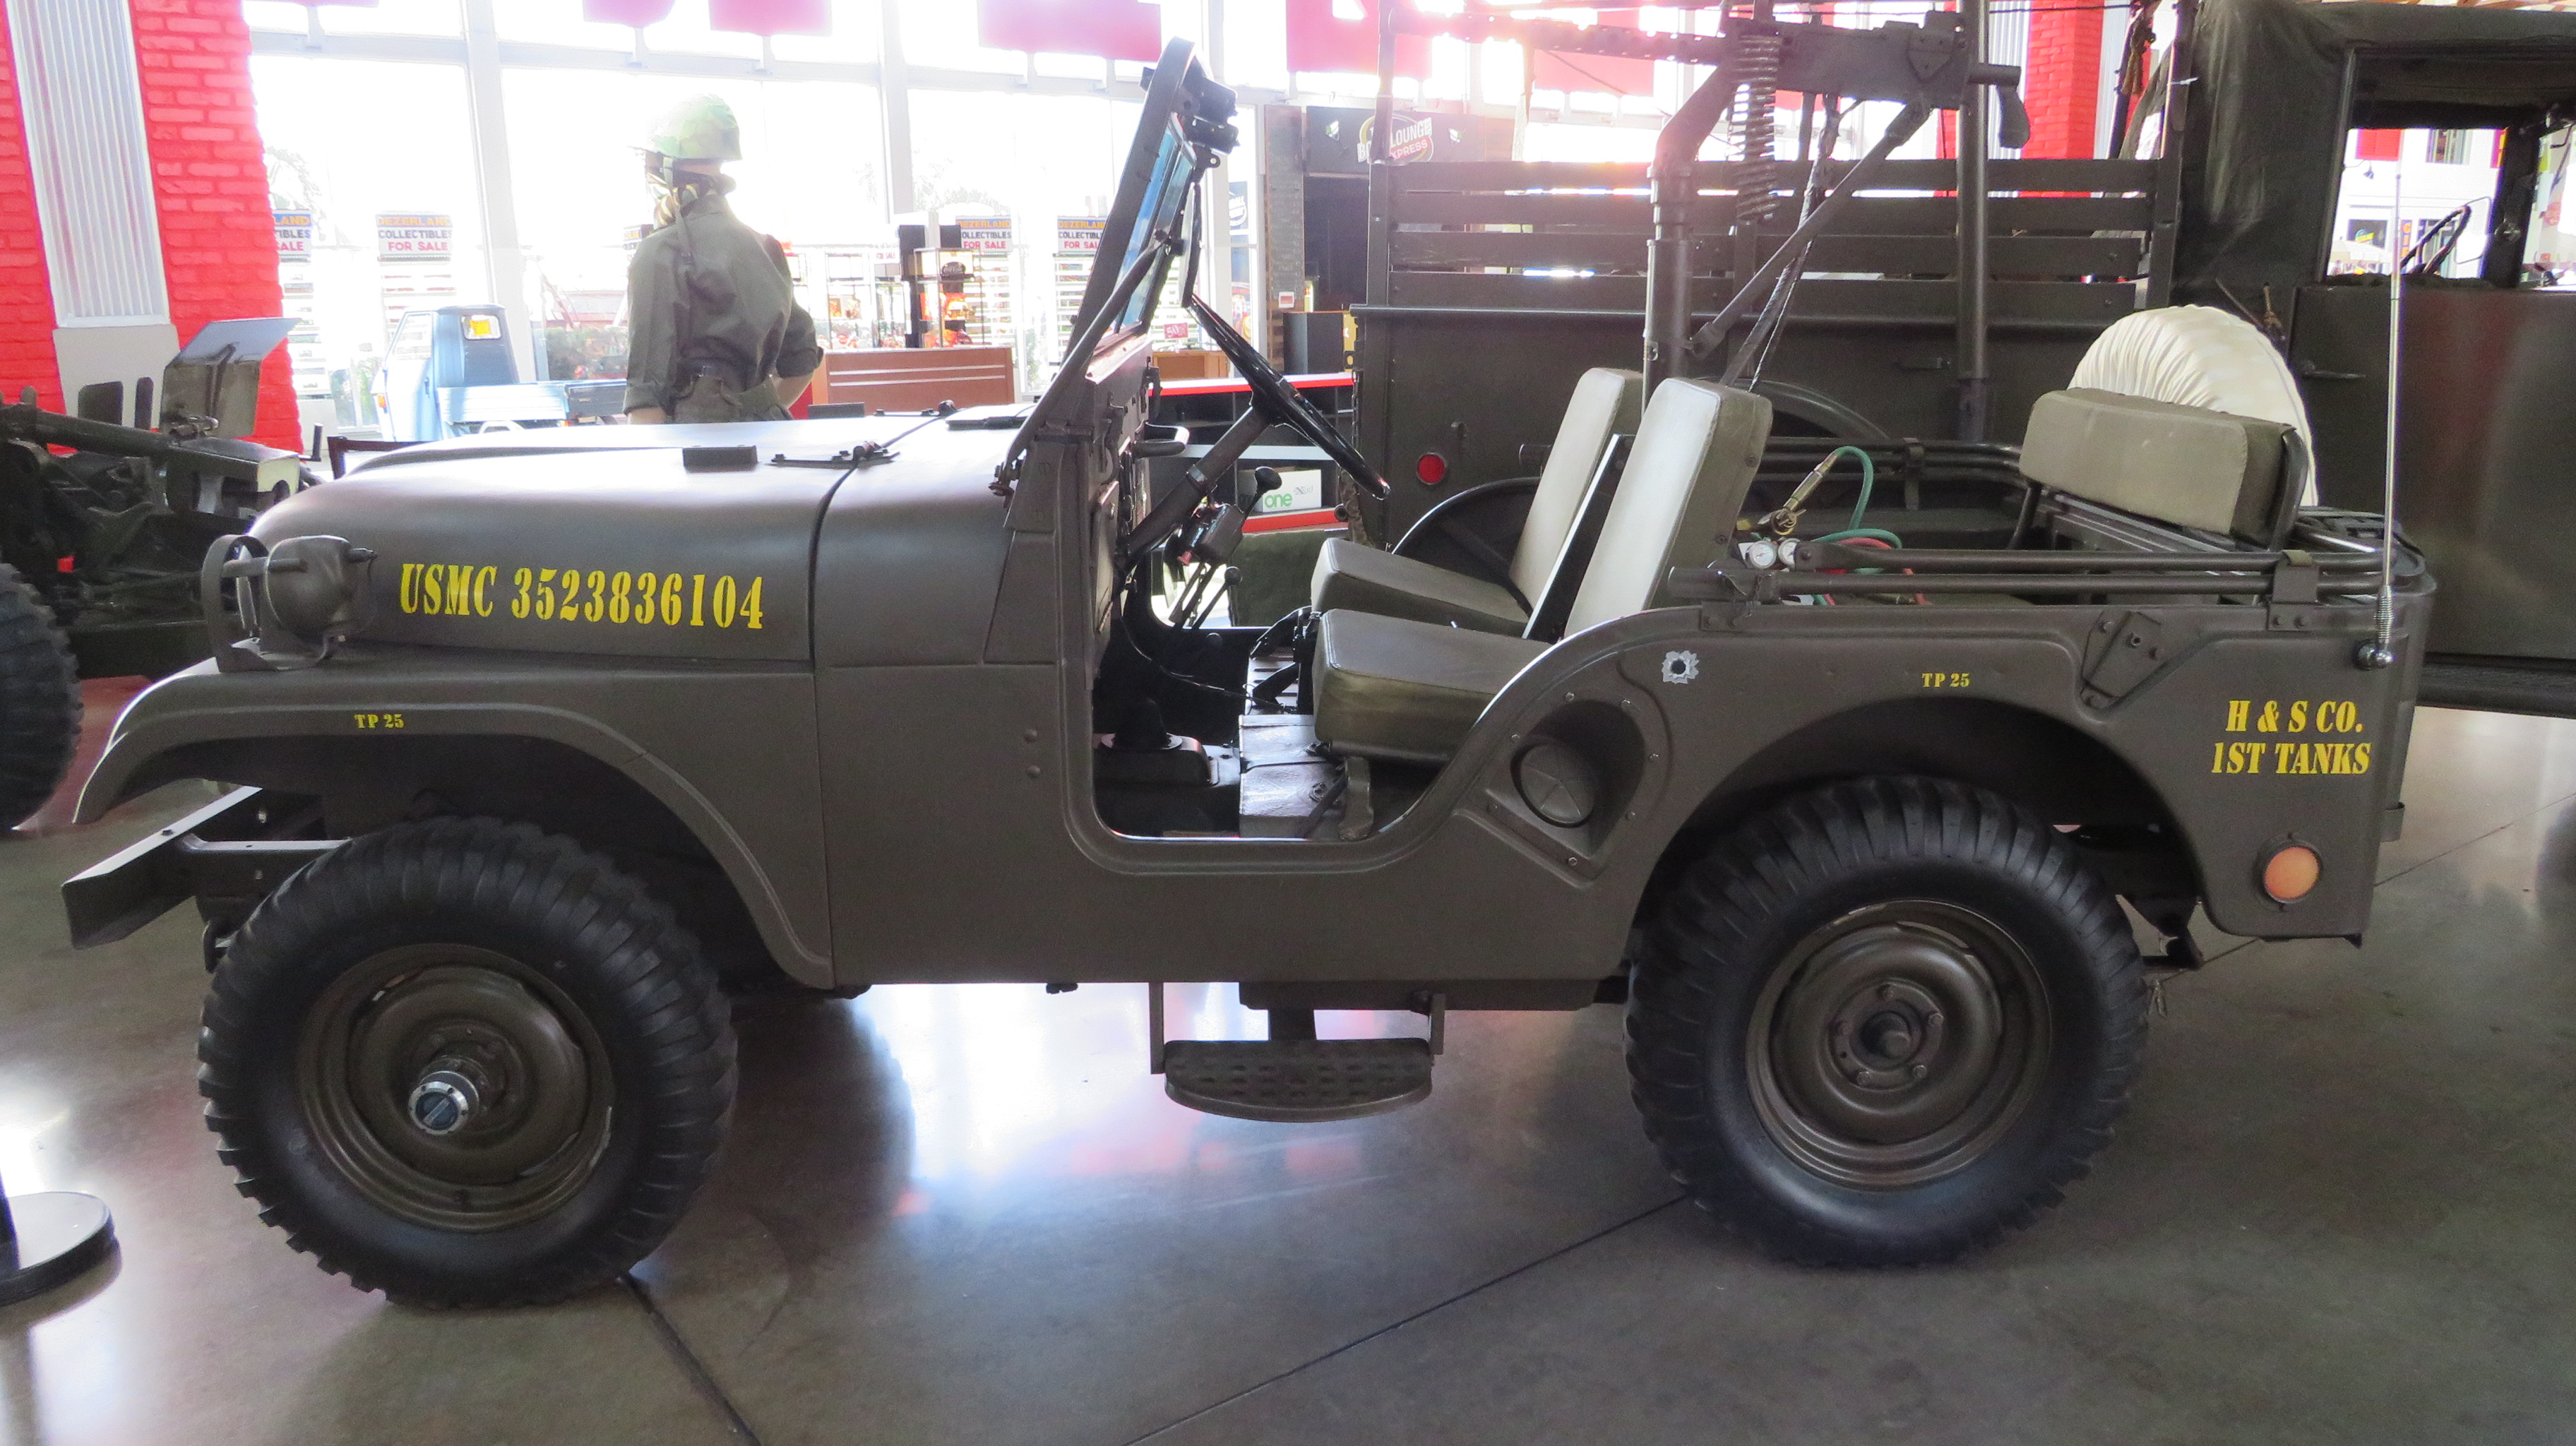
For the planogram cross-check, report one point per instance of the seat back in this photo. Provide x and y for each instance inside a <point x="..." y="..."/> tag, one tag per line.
<point x="2178" y="464"/>
<point x="1697" y="449"/>
<point x="1605" y="403"/>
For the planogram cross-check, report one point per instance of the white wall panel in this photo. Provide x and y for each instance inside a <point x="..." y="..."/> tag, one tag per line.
<point x="83" y="112"/>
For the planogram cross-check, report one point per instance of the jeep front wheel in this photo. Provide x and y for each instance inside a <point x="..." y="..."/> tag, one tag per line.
<point x="467" y="1063"/>
<point x="1884" y="1022"/>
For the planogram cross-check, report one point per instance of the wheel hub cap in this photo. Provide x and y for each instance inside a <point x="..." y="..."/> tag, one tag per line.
<point x="443" y="1102"/>
<point x="454" y="1086"/>
<point x="1895" y="1044"/>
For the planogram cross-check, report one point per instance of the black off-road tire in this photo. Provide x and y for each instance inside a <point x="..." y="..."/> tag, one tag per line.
<point x="571" y="999"/>
<point x="1815" y="1058"/>
<point x="40" y="701"/>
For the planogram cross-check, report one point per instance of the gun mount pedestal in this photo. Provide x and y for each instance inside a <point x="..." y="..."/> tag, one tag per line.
<point x="48" y="1240"/>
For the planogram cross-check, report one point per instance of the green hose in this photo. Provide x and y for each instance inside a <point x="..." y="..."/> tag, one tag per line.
<point x="1868" y="479"/>
<point x="1880" y="533"/>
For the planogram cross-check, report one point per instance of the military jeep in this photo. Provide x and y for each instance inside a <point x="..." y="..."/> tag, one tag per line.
<point x="539" y="744"/>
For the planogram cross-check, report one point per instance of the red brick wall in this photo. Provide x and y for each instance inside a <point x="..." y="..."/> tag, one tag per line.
<point x="26" y="295"/>
<point x="218" y="243"/>
<point x="2062" y="84"/>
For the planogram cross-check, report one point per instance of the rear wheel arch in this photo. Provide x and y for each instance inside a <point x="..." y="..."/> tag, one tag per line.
<point x="2031" y="758"/>
<point x="624" y="804"/>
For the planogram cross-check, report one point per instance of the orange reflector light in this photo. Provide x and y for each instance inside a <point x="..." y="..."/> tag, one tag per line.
<point x="2290" y="873"/>
<point x="1431" y="468"/>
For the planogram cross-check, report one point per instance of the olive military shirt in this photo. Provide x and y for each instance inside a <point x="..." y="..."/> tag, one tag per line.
<point x="712" y="319"/>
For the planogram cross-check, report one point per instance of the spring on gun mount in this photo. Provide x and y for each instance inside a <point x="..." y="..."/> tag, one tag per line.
<point x="1758" y="60"/>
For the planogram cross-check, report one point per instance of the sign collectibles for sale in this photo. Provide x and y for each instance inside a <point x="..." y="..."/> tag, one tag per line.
<point x="294" y="235"/>
<point x="415" y="235"/>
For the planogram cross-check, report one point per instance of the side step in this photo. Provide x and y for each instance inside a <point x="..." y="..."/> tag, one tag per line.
<point x="1297" y="1080"/>
<point x="1290" y="1079"/>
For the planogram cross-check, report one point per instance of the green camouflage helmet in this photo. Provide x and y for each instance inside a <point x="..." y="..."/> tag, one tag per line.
<point x="701" y="128"/>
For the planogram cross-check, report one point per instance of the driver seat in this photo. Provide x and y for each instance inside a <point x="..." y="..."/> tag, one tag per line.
<point x="1361" y="578"/>
<point x="1402" y="689"/>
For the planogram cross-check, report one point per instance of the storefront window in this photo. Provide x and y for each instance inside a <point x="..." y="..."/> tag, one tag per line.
<point x="1040" y="161"/>
<point x="811" y="175"/>
<point x="853" y="40"/>
<point x="1256" y="43"/>
<point x="942" y="34"/>
<point x="370" y="150"/>
<point x="386" y="17"/>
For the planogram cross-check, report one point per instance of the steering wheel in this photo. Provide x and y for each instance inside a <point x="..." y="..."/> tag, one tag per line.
<point x="1281" y="402"/>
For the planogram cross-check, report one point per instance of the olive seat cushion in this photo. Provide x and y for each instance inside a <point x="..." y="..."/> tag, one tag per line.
<point x="2186" y="465"/>
<point x="1401" y="688"/>
<point x="1354" y="577"/>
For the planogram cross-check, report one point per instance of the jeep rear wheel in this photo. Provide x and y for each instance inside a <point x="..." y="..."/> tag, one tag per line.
<point x="1884" y="1023"/>
<point x="467" y="1063"/>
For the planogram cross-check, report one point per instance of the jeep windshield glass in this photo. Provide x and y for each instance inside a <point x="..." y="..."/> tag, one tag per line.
<point x="1167" y="190"/>
<point x="1153" y="195"/>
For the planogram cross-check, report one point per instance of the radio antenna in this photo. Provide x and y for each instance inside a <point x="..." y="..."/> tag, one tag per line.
<point x="2381" y="650"/>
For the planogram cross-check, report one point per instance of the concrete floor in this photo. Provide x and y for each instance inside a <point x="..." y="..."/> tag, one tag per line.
<point x="2339" y="1211"/>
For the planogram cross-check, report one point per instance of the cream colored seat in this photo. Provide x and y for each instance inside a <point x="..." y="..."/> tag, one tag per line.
<point x="2241" y="476"/>
<point x="1352" y="577"/>
<point x="1400" y="688"/>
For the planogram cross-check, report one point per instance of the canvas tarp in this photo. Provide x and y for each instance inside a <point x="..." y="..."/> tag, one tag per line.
<point x="2264" y="143"/>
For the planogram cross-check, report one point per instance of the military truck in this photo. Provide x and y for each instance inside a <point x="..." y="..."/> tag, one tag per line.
<point x="535" y="740"/>
<point x="102" y="530"/>
<point x="1947" y="295"/>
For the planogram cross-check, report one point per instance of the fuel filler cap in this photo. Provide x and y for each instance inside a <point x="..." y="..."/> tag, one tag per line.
<point x="1558" y="784"/>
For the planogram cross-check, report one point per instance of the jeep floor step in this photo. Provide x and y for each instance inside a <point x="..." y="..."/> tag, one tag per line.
<point x="1297" y="1080"/>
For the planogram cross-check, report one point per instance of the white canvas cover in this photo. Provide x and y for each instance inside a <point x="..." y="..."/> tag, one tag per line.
<point x="2197" y="356"/>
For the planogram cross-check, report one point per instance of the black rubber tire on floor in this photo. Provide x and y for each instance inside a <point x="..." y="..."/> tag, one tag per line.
<point x="40" y="701"/>
<point x="1734" y="943"/>
<point x="594" y="945"/>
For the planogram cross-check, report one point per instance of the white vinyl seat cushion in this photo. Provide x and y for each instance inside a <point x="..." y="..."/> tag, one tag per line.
<point x="1354" y="577"/>
<point x="1350" y="576"/>
<point x="1408" y="689"/>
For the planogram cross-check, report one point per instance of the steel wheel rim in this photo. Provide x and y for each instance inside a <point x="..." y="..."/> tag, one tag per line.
<point x="1898" y="1044"/>
<point x="454" y="1087"/>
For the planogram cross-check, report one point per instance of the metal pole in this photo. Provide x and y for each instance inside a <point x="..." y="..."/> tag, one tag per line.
<point x="1220" y="240"/>
<point x="894" y="113"/>
<point x="2381" y="650"/>
<point x="1379" y="141"/>
<point x="505" y="262"/>
<point x="1672" y="186"/>
<point x="1972" y="234"/>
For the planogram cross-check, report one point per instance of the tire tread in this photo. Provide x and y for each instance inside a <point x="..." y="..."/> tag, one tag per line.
<point x="511" y="870"/>
<point x="1761" y="869"/>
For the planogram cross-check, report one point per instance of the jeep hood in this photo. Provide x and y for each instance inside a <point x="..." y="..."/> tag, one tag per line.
<point x="558" y="543"/>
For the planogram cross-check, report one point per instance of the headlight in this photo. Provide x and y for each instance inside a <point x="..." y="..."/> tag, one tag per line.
<point x="292" y="603"/>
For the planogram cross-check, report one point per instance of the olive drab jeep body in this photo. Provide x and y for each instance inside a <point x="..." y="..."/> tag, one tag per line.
<point x="932" y="700"/>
